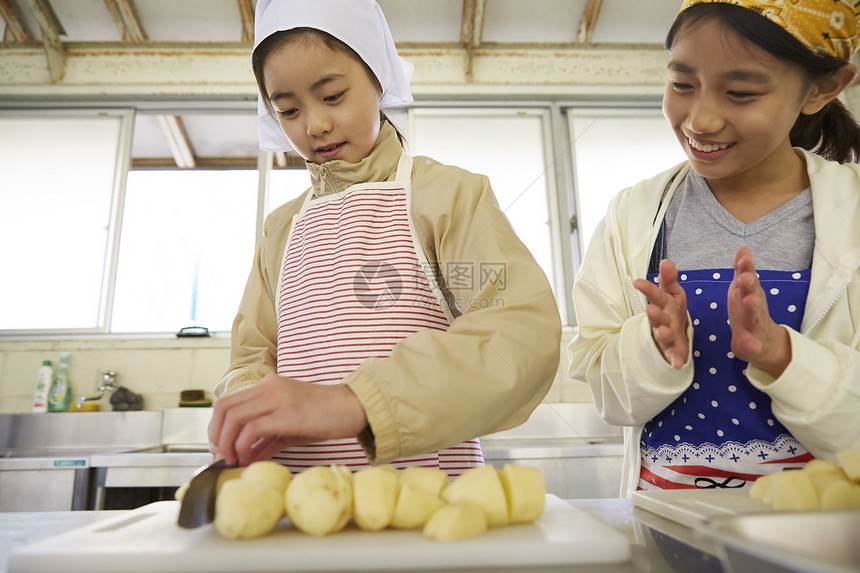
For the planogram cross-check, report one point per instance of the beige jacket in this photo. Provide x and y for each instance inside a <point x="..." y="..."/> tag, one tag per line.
<point x="486" y="373"/>
<point x="817" y="397"/>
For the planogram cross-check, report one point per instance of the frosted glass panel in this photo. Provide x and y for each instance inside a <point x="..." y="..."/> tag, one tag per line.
<point x="612" y="151"/>
<point x="186" y="249"/>
<point x="508" y="148"/>
<point x="56" y="186"/>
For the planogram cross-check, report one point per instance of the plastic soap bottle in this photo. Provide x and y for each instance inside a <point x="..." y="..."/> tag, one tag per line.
<point x="44" y="378"/>
<point x="60" y="396"/>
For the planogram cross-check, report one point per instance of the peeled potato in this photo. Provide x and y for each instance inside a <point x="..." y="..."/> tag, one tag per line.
<point x="761" y="489"/>
<point x="268" y="473"/>
<point x="841" y="495"/>
<point x="456" y="521"/>
<point x="180" y="491"/>
<point x="245" y="509"/>
<point x="414" y="507"/>
<point x="319" y="499"/>
<point x="428" y="479"/>
<point x="224" y="476"/>
<point x="822" y="479"/>
<point x="792" y="489"/>
<point x="525" y="492"/>
<point x="482" y="486"/>
<point x="227" y="475"/>
<point x="375" y="491"/>
<point x="850" y="462"/>
<point x="818" y="465"/>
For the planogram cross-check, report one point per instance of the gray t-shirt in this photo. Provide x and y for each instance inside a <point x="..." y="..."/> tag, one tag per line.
<point x="701" y="234"/>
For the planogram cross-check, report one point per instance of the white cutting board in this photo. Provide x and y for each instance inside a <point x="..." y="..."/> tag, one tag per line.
<point x="694" y="507"/>
<point x="148" y="539"/>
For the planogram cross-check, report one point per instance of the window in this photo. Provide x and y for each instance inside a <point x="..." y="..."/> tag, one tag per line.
<point x="60" y="177"/>
<point x="285" y="185"/>
<point x="508" y="147"/>
<point x="612" y="150"/>
<point x="91" y="246"/>
<point x="186" y="250"/>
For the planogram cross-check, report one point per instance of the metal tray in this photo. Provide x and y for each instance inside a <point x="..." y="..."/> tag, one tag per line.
<point x="801" y="541"/>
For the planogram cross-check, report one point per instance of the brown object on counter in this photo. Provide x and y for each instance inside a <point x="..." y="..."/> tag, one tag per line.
<point x="193" y="398"/>
<point x="192" y="395"/>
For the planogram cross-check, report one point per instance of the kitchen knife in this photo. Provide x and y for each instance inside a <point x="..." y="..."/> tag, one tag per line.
<point x="198" y="503"/>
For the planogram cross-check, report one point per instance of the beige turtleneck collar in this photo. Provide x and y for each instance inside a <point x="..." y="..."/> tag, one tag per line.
<point x="380" y="165"/>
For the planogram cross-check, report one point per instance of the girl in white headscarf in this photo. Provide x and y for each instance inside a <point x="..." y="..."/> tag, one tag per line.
<point x="391" y="314"/>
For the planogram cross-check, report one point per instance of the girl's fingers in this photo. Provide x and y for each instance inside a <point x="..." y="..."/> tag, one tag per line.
<point x="235" y="421"/>
<point x="668" y="274"/>
<point x="219" y="411"/>
<point x="652" y="292"/>
<point x="264" y="449"/>
<point x="656" y="316"/>
<point x="257" y="437"/>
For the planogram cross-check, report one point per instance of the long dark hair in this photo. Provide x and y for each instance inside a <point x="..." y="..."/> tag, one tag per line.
<point x="833" y="132"/>
<point x="278" y="39"/>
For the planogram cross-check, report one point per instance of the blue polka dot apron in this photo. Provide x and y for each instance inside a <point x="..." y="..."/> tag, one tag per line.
<point x="721" y="431"/>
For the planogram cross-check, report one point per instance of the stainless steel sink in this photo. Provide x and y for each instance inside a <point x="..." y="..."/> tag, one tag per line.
<point x="46" y="459"/>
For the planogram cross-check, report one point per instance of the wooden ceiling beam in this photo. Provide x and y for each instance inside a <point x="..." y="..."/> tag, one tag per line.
<point x="589" y="21"/>
<point x="177" y="141"/>
<point x="472" y="30"/>
<point x="246" y="12"/>
<point x="16" y="26"/>
<point x="124" y="13"/>
<point x="52" y="29"/>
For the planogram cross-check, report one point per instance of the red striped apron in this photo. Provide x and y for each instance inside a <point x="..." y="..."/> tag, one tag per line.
<point x="354" y="281"/>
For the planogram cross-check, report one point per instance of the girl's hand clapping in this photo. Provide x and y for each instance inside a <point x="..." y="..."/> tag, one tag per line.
<point x="257" y="422"/>
<point x="667" y="313"/>
<point x="756" y="338"/>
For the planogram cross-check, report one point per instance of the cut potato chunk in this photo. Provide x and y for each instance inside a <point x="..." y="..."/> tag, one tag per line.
<point x="792" y="489"/>
<point x="482" y="486"/>
<point x="525" y="492"/>
<point x="428" y="479"/>
<point x="319" y="499"/>
<point x="841" y="495"/>
<point x="246" y="509"/>
<point x="819" y="465"/>
<point x="269" y="473"/>
<point x="850" y="462"/>
<point x="414" y="507"/>
<point x="375" y="492"/>
<point x="822" y="479"/>
<point x="459" y="520"/>
<point x="761" y="489"/>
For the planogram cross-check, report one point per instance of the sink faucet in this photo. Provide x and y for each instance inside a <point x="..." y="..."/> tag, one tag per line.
<point x="108" y="384"/>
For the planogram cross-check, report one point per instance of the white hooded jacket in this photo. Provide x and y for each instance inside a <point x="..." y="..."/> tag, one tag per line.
<point x="817" y="397"/>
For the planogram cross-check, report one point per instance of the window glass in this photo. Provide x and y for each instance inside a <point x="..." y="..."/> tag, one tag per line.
<point x="285" y="185"/>
<point x="186" y="249"/>
<point x="612" y="150"/>
<point x="57" y="187"/>
<point x="507" y="147"/>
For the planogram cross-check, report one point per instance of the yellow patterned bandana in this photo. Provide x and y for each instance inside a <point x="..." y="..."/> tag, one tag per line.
<point x="823" y="26"/>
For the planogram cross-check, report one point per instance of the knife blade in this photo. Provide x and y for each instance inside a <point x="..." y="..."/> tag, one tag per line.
<point x="198" y="503"/>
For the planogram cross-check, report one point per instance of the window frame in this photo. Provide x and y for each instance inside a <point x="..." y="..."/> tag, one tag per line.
<point x="122" y="162"/>
<point x="558" y="150"/>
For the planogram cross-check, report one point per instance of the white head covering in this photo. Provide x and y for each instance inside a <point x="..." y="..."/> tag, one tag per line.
<point x="359" y="24"/>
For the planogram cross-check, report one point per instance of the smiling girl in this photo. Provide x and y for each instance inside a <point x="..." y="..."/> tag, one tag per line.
<point x="737" y="355"/>
<point x="351" y="345"/>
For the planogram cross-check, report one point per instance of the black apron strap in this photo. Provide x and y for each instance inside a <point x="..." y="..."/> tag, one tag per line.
<point x="658" y="253"/>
